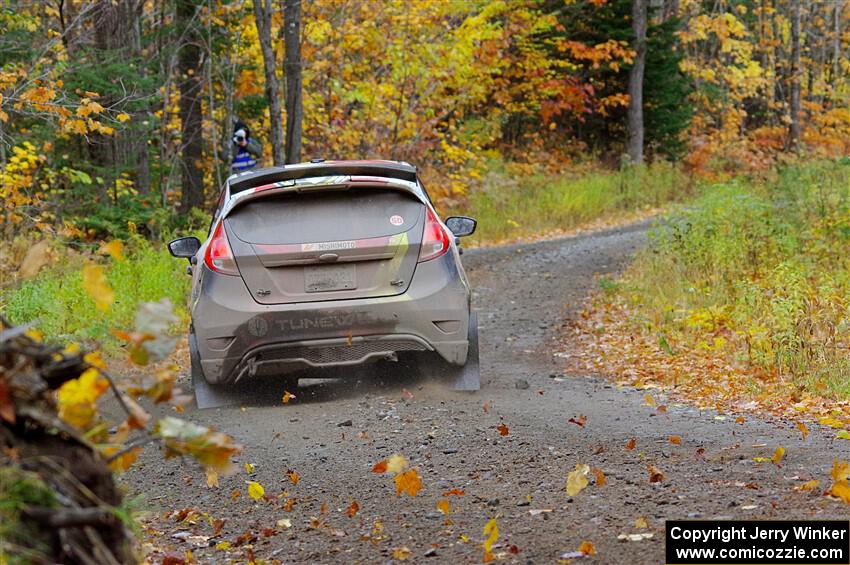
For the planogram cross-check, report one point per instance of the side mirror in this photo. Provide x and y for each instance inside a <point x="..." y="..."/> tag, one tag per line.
<point x="461" y="226"/>
<point x="186" y="247"/>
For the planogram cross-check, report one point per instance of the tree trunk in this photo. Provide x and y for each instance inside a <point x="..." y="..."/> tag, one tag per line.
<point x="635" y="114"/>
<point x="263" y="17"/>
<point x="292" y="70"/>
<point x="836" y="43"/>
<point x="794" y="131"/>
<point x="190" y="73"/>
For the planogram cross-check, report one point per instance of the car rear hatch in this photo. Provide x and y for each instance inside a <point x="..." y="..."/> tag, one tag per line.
<point x="361" y="242"/>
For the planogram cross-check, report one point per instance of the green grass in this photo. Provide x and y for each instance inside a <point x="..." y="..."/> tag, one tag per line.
<point x="63" y="310"/>
<point x="765" y="264"/>
<point x="508" y="208"/>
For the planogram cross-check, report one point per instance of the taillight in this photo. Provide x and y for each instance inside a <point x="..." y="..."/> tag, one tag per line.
<point x="219" y="257"/>
<point x="435" y="240"/>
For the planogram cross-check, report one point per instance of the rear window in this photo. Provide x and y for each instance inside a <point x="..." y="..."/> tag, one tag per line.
<point x="358" y="213"/>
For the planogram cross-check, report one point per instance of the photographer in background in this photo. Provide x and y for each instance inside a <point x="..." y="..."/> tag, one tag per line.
<point x="246" y="151"/>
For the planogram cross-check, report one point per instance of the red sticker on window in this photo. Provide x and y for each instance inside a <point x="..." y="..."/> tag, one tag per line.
<point x="396" y="220"/>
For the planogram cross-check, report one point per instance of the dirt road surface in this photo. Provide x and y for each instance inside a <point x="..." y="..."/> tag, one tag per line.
<point x="335" y="431"/>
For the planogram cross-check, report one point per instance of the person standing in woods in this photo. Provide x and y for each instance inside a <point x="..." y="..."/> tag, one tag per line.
<point x="246" y="150"/>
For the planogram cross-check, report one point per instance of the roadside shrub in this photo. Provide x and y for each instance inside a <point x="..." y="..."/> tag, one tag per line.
<point x="63" y="310"/>
<point x="760" y="270"/>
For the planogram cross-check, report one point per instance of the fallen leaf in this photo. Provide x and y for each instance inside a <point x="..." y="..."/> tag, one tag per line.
<point x="217" y="526"/>
<point x="454" y="491"/>
<point x="249" y="468"/>
<point x="401" y="553"/>
<point x="223" y="545"/>
<point x="284" y="523"/>
<point x="293" y="477"/>
<point x="486" y="406"/>
<point x="443" y="506"/>
<point x="491" y="530"/>
<point x="808" y="485"/>
<point x="648" y="400"/>
<point x="255" y="490"/>
<point x="843" y="434"/>
<point x="577" y="479"/>
<point x="675" y="440"/>
<point x="655" y="474"/>
<point x="234" y="496"/>
<point x="600" y="476"/>
<point x="841" y="490"/>
<point x="778" y="455"/>
<point x="287" y="396"/>
<point x="661" y="409"/>
<point x="212" y="478"/>
<point x="380" y="466"/>
<point x="587" y="548"/>
<point x="352" y="509"/>
<point x="636" y="537"/>
<point x="581" y="420"/>
<point x="840" y="470"/>
<point x="631" y="443"/>
<point x="408" y="482"/>
<point x="700" y="453"/>
<point x="803" y="429"/>
<point x="503" y="429"/>
<point x="641" y="523"/>
<point x="740" y="420"/>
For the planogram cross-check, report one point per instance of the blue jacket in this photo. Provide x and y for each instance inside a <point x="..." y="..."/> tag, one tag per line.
<point x="245" y="158"/>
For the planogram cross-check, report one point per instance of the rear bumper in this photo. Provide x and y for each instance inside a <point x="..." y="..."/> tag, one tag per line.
<point x="238" y="338"/>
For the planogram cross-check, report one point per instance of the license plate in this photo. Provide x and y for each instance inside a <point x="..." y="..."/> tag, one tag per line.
<point x="329" y="277"/>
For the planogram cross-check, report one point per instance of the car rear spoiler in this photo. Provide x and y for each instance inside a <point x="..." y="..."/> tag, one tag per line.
<point x="388" y="169"/>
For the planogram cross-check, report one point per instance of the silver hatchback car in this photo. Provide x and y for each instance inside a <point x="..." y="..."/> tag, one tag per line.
<point x="327" y="264"/>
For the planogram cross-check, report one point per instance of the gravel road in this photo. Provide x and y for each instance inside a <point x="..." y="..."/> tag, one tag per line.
<point x="335" y="431"/>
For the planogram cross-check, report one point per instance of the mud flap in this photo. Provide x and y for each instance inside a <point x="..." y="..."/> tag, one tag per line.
<point x="207" y="395"/>
<point x="468" y="377"/>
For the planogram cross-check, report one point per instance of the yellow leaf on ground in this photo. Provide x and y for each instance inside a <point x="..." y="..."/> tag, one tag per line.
<point x="803" y="429"/>
<point x="587" y="548"/>
<point x="401" y="553"/>
<point x="808" y="485"/>
<point x="577" y="479"/>
<point x="293" y="477"/>
<point x="491" y="530"/>
<point x="96" y="286"/>
<point x="648" y="400"/>
<point x="396" y="463"/>
<point x="408" y="482"/>
<point x="631" y="443"/>
<point x="212" y="478"/>
<point x="841" y="490"/>
<point x="443" y="506"/>
<point x="256" y="490"/>
<point x="287" y="396"/>
<point x="249" y="468"/>
<point x="641" y="523"/>
<point x="352" y="509"/>
<point x="675" y="440"/>
<point x="843" y="434"/>
<point x="778" y="455"/>
<point x="840" y="470"/>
